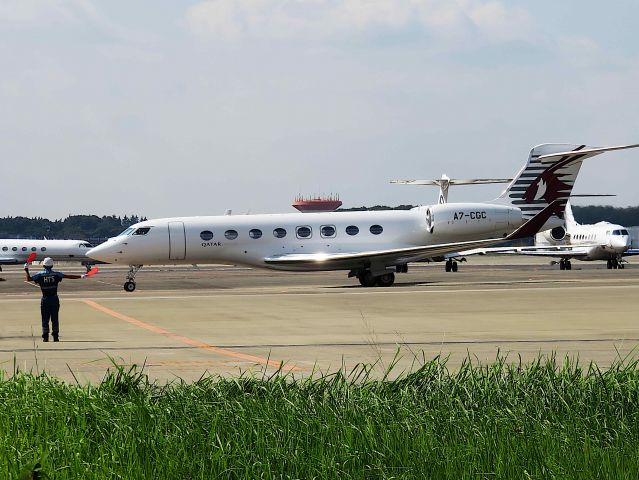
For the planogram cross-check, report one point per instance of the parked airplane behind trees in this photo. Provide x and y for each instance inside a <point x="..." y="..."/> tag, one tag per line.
<point x="372" y="246"/>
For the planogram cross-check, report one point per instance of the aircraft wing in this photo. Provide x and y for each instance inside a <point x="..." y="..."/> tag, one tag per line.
<point x="559" y="251"/>
<point x="396" y="256"/>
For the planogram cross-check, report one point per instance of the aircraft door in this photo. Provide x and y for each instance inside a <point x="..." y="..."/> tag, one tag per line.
<point x="177" y="241"/>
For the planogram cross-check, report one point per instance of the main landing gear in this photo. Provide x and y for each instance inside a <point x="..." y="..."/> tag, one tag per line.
<point x="451" y="265"/>
<point x="564" y="264"/>
<point x="614" y="263"/>
<point x="129" y="285"/>
<point x="367" y="279"/>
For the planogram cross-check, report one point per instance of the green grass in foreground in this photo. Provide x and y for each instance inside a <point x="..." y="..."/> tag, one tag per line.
<point x="541" y="420"/>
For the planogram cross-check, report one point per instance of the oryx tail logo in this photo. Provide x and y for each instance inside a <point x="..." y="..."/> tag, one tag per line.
<point x="548" y="186"/>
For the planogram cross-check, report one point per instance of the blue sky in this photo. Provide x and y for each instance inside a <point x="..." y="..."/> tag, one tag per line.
<point x="190" y="108"/>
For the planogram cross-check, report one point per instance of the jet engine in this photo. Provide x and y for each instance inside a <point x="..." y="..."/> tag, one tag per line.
<point x="558" y="234"/>
<point x="555" y="235"/>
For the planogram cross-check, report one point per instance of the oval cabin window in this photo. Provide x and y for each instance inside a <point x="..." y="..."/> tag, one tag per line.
<point x="206" y="235"/>
<point x="303" y="232"/>
<point x="327" y="231"/>
<point x="376" y="229"/>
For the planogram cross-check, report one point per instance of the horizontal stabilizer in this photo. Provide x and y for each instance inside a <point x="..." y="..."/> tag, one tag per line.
<point x="583" y="153"/>
<point x="585" y="195"/>
<point x="453" y="181"/>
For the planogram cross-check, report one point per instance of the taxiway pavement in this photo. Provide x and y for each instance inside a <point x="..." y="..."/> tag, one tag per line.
<point x="183" y="322"/>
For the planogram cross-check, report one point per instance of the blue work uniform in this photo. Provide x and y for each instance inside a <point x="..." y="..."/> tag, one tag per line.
<point x="50" y="303"/>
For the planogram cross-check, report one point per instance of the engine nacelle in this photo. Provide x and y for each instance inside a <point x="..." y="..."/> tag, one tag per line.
<point x="554" y="235"/>
<point x="455" y="221"/>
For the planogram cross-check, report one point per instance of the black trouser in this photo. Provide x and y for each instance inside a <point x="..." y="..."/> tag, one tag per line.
<point x="49" y="307"/>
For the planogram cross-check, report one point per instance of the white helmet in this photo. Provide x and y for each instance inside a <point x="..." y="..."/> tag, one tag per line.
<point x="48" y="262"/>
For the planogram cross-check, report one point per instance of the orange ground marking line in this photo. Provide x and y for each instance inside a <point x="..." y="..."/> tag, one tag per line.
<point x="181" y="338"/>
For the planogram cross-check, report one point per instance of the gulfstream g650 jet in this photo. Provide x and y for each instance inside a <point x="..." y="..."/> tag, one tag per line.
<point x="371" y="246"/>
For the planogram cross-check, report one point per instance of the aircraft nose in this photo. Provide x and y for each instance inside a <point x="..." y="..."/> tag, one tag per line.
<point x="621" y="243"/>
<point x="102" y="253"/>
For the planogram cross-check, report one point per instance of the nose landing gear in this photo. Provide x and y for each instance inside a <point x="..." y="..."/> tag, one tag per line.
<point x="129" y="285"/>
<point x="614" y="263"/>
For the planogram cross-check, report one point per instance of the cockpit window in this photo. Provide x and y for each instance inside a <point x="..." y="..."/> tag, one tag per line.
<point x="624" y="232"/>
<point x="142" y="231"/>
<point x="86" y="245"/>
<point x="617" y="232"/>
<point x="128" y="231"/>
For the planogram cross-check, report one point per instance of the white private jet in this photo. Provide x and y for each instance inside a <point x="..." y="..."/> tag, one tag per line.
<point x="602" y="241"/>
<point x="15" y="251"/>
<point x="371" y="245"/>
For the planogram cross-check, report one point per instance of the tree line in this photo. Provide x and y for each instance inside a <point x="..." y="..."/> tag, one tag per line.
<point x="94" y="229"/>
<point x="82" y="227"/>
<point x="626" y="216"/>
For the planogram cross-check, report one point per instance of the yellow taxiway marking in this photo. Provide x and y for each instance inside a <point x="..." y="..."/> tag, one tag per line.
<point x="186" y="340"/>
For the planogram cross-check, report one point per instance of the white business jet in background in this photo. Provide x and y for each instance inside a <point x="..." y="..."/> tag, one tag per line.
<point x="602" y="241"/>
<point x="371" y="245"/>
<point x="16" y="251"/>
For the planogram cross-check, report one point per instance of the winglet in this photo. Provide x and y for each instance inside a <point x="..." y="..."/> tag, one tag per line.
<point x="532" y="226"/>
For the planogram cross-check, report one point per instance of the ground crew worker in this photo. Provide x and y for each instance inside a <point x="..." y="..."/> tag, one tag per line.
<point x="50" y="304"/>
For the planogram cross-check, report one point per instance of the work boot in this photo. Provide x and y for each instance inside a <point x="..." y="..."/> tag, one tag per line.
<point x="45" y="338"/>
<point x="55" y="338"/>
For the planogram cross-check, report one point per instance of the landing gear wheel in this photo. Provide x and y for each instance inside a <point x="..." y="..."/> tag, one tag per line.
<point x="129" y="285"/>
<point x="449" y="266"/>
<point x="562" y="264"/>
<point x="568" y="265"/>
<point x="385" y="280"/>
<point x="366" y="279"/>
<point x="454" y="266"/>
<point x="609" y="264"/>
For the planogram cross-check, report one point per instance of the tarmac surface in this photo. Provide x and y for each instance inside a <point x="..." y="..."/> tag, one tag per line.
<point x="182" y="322"/>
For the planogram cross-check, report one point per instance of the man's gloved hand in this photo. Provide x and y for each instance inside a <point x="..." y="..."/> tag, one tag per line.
<point x="83" y="276"/>
<point x="26" y="266"/>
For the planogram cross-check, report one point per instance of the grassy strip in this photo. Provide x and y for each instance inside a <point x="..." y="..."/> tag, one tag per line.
<point x="541" y="420"/>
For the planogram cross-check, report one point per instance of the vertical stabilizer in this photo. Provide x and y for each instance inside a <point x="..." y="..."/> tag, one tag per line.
<point x="569" y="217"/>
<point x="546" y="177"/>
<point x="549" y="175"/>
<point x="444" y="184"/>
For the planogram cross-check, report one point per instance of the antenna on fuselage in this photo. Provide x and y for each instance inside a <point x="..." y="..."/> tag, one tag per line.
<point x="445" y="182"/>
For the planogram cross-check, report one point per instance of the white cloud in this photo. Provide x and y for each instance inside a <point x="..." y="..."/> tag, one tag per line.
<point x="232" y="20"/>
<point x="23" y="12"/>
